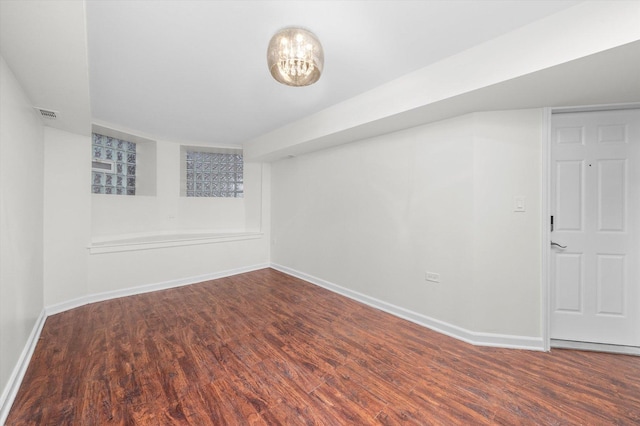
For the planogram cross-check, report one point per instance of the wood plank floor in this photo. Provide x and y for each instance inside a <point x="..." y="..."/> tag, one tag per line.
<point x="266" y="348"/>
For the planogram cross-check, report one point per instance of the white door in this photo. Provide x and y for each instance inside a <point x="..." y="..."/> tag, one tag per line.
<point x="595" y="203"/>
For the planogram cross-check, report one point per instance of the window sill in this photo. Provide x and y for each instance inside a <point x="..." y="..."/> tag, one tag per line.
<point x="130" y="242"/>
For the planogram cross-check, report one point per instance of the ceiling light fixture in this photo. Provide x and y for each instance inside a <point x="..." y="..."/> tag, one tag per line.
<point x="295" y="57"/>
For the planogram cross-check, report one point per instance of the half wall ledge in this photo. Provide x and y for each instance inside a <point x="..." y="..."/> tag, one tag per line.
<point x="133" y="242"/>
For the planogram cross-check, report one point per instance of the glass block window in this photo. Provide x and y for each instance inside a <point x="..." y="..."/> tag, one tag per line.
<point x="212" y="174"/>
<point x="113" y="166"/>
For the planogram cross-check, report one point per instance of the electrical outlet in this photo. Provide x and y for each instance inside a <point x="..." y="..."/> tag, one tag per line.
<point x="432" y="276"/>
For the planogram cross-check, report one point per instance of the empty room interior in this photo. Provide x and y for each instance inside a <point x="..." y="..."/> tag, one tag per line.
<point x="319" y="212"/>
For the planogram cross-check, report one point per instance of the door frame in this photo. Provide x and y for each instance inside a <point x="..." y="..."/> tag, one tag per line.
<point x="545" y="240"/>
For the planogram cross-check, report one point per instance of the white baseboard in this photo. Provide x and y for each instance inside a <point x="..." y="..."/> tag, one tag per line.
<point x="11" y="389"/>
<point x="131" y="291"/>
<point x="473" y="337"/>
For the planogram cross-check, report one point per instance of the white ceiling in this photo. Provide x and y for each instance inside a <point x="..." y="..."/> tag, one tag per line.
<point x="44" y="43"/>
<point x="195" y="71"/>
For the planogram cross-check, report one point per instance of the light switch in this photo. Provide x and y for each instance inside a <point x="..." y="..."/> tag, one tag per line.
<point x="519" y="204"/>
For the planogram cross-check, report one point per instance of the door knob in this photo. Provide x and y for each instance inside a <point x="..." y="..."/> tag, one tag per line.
<point x="558" y="245"/>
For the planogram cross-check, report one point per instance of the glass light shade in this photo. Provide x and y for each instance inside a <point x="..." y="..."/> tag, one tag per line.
<point x="295" y="57"/>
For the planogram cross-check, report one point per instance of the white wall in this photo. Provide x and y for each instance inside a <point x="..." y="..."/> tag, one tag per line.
<point x="375" y="215"/>
<point x="506" y="245"/>
<point x="122" y="270"/>
<point x="169" y="213"/>
<point x="21" y="199"/>
<point x="67" y="215"/>
<point x="74" y="218"/>
<point x="167" y="210"/>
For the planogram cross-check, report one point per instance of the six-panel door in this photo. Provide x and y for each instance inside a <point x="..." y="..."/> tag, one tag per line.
<point x="595" y="195"/>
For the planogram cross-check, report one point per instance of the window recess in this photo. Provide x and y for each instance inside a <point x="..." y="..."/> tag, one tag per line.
<point x="121" y="163"/>
<point x="113" y="167"/>
<point x="212" y="172"/>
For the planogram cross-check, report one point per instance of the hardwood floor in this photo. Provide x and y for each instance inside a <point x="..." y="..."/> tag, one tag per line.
<point x="266" y="348"/>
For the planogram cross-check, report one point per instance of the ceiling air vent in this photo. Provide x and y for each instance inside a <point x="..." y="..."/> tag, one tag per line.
<point x="47" y="113"/>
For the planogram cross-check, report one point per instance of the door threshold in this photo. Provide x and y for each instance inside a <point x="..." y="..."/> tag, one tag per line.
<point x="596" y="347"/>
